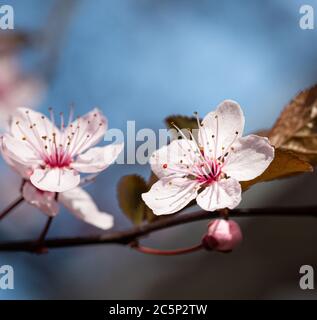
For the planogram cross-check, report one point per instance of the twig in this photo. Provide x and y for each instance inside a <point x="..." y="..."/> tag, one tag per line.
<point x="14" y="204"/>
<point x="128" y="236"/>
<point x="174" y="252"/>
<point x="40" y="248"/>
<point x="45" y="230"/>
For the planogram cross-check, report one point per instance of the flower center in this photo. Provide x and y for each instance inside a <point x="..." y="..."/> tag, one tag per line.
<point x="57" y="147"/>
<point x="58" y="159"/>
<point x="205" y="171"/>
<point x="208" y="171"/>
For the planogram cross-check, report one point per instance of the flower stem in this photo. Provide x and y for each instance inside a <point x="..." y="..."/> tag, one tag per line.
<point x="14" y="204"/>
<point x="224" y="213"/>
<point x="40" y="248"/>
<point x="158" y="252"/>
<point x="45" y="230"/>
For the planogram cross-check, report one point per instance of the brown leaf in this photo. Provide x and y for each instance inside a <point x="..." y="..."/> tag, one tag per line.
<point x="153" y="178"/>
<point x="284" y="164"/>
<point x="130" y="189"/>
<point x="298" y="119"/>
<point x="262" y="133"/>
<point x="182" y="122"/>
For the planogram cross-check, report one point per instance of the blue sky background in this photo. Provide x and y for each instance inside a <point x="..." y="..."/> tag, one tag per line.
<point x="143" y="60"/>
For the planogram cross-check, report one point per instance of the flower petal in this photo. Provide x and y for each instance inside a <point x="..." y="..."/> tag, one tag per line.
<point x="19" y="151"/>
<point x="89" y="130"/>
<point x="97" y="159"/>
<point x="225" y="193"/>
<point x="43" y="200"/>
<point x="170" y="195"/>
<point x="80" y="203"/>
<point x="55" y="180"/>
<point x="250" y="157"/>
<point x="35" y="127"/>
<point x="23" y="170"/>
<point x="174" y="158"/>
<point x="221" y="128"/>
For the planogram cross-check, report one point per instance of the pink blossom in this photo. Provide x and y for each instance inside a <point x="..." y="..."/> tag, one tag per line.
<point x="209" y="169"/>
<point x="52" y="157"/>
<point x="222" y="235"/>
<point x="77" y="201"/>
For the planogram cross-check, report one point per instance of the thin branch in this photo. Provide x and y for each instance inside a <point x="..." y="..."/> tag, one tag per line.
<point x="45" y="230"/>
<point x="40" y="247"/>
<point x="129" y="236"/>
<point x="159" y="252"/>
<point x="14" y="204"/>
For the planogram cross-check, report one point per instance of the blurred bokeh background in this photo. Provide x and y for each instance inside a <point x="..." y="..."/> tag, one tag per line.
<point x="143" y="60"/>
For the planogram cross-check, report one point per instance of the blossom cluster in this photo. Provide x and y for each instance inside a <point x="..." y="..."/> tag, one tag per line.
<point x="52" y="159"/>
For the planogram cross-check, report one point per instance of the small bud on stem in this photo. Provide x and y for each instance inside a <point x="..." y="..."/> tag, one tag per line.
<point x="223" y="235"/>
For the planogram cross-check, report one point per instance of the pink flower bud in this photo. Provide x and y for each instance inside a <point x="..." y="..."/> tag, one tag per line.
<point x="223" y="235"/>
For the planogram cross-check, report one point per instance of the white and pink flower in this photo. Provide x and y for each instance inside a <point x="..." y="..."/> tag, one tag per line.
<point x="49" y="159"/>
<point x="209" y="168"/>
<point x="52" y="158"/>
